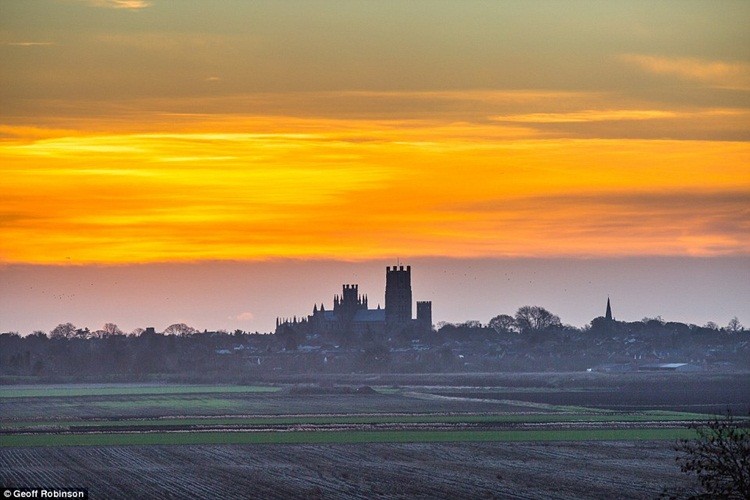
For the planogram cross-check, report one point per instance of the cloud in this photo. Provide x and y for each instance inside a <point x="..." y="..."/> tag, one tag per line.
<point x="121" y="4"/>
<point x="267" y="188"/>
<point x="245" y="316"/>
<point x="589" y="115"/>
<point x="716" y="73"/>
<point x="29" y="44"/>
<point x="696" y="223"/>
<point x="643" y="123"/>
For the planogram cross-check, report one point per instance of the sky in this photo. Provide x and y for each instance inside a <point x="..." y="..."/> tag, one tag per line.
<point x="183" y="149"/>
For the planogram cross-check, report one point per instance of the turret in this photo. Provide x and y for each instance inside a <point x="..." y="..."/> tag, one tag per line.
<point x="424" y="315"/>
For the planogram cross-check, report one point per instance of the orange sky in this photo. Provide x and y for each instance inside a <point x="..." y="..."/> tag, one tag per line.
<point x="155" y="132"/>
<point x="605" y="144"/>
<point x="266" y="187"/>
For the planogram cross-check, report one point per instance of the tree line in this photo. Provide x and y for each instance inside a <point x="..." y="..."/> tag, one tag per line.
<point x="527" y="319"/>
<point x="532" y="338"/>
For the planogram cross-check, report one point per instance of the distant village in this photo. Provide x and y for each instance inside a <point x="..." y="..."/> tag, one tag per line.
<point x="351" y="337"/>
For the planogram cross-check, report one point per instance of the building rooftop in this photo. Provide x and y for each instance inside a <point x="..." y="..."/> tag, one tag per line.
<point x="370" y="315"/>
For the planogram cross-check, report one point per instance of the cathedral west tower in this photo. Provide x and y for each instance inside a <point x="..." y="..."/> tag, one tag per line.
<point x="397" y="295"/>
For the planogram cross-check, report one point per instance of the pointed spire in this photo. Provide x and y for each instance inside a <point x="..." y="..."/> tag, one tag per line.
<point x="608" y="315"/>
<point x="315" y="308"/>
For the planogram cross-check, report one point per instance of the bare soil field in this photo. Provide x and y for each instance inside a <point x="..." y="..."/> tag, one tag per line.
<point x="705" y="381"/>
<point x="702" y="393"/>
<point x="363" y="436"/>
<point x="415" y="470"/>
<point x="735" y="398"/>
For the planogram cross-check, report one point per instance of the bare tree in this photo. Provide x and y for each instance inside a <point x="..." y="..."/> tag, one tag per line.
<point x="108" y="330"/>
<point x="735" y="326"/>
<point x="503" y="323"/>
<point x="535" y="319"/>
<point x="180" y="329"/>
<point x="111" y="330"/>
<point x="63" y="331"/>
<point x="137" y="332"/>
<point x="83" y="333"/>
<point x="720" y="457"/>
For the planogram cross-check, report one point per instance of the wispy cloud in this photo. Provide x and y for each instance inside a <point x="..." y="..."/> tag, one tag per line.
<point x="121" y="4"/>
<point x="29" y="44"/>
<point x="589" y="115"/>
<point x="244" y="316"/>
<point x="716" y="73"/>
<point x="337" y="189"/>
<point x="694" y="222"/>
<point x="612" y="115"/>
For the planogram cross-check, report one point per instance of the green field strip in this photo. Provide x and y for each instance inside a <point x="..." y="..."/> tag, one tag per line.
<point x="62" y="392"/>
<point x="341" y="437"/>
<point x="363" y="419"/>
<point x="576" y="409"/>
<point x="508" y="402"/>
<point x="173" y="404"/>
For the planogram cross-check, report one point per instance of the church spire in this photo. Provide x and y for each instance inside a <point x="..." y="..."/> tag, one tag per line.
<point x="608" y="315"/>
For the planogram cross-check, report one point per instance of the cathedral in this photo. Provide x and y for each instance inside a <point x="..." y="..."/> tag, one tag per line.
<point x="351" y="314"/>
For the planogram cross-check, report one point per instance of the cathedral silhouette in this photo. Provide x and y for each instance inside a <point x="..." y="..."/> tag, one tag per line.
<point x="351" y="314"/>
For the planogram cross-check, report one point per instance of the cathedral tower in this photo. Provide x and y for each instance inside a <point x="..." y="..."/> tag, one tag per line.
<point x="397" y="295"/>
<point x="424" y="315"/>
<point x="347" y="305"/>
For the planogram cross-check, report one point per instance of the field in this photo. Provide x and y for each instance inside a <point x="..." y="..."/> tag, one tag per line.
<point x="506" y="437"/>
<point x="406" y="470"/>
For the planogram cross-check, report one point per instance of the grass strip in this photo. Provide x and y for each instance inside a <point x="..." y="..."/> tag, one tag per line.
<point x="61" y="392"/>
<point x="344" y="437"/>
<point x="364" y="419"/>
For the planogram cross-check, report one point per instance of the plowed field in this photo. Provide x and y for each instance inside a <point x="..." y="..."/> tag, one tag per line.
<point x="446" y="470"/>
<point x="577" y="437"/>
